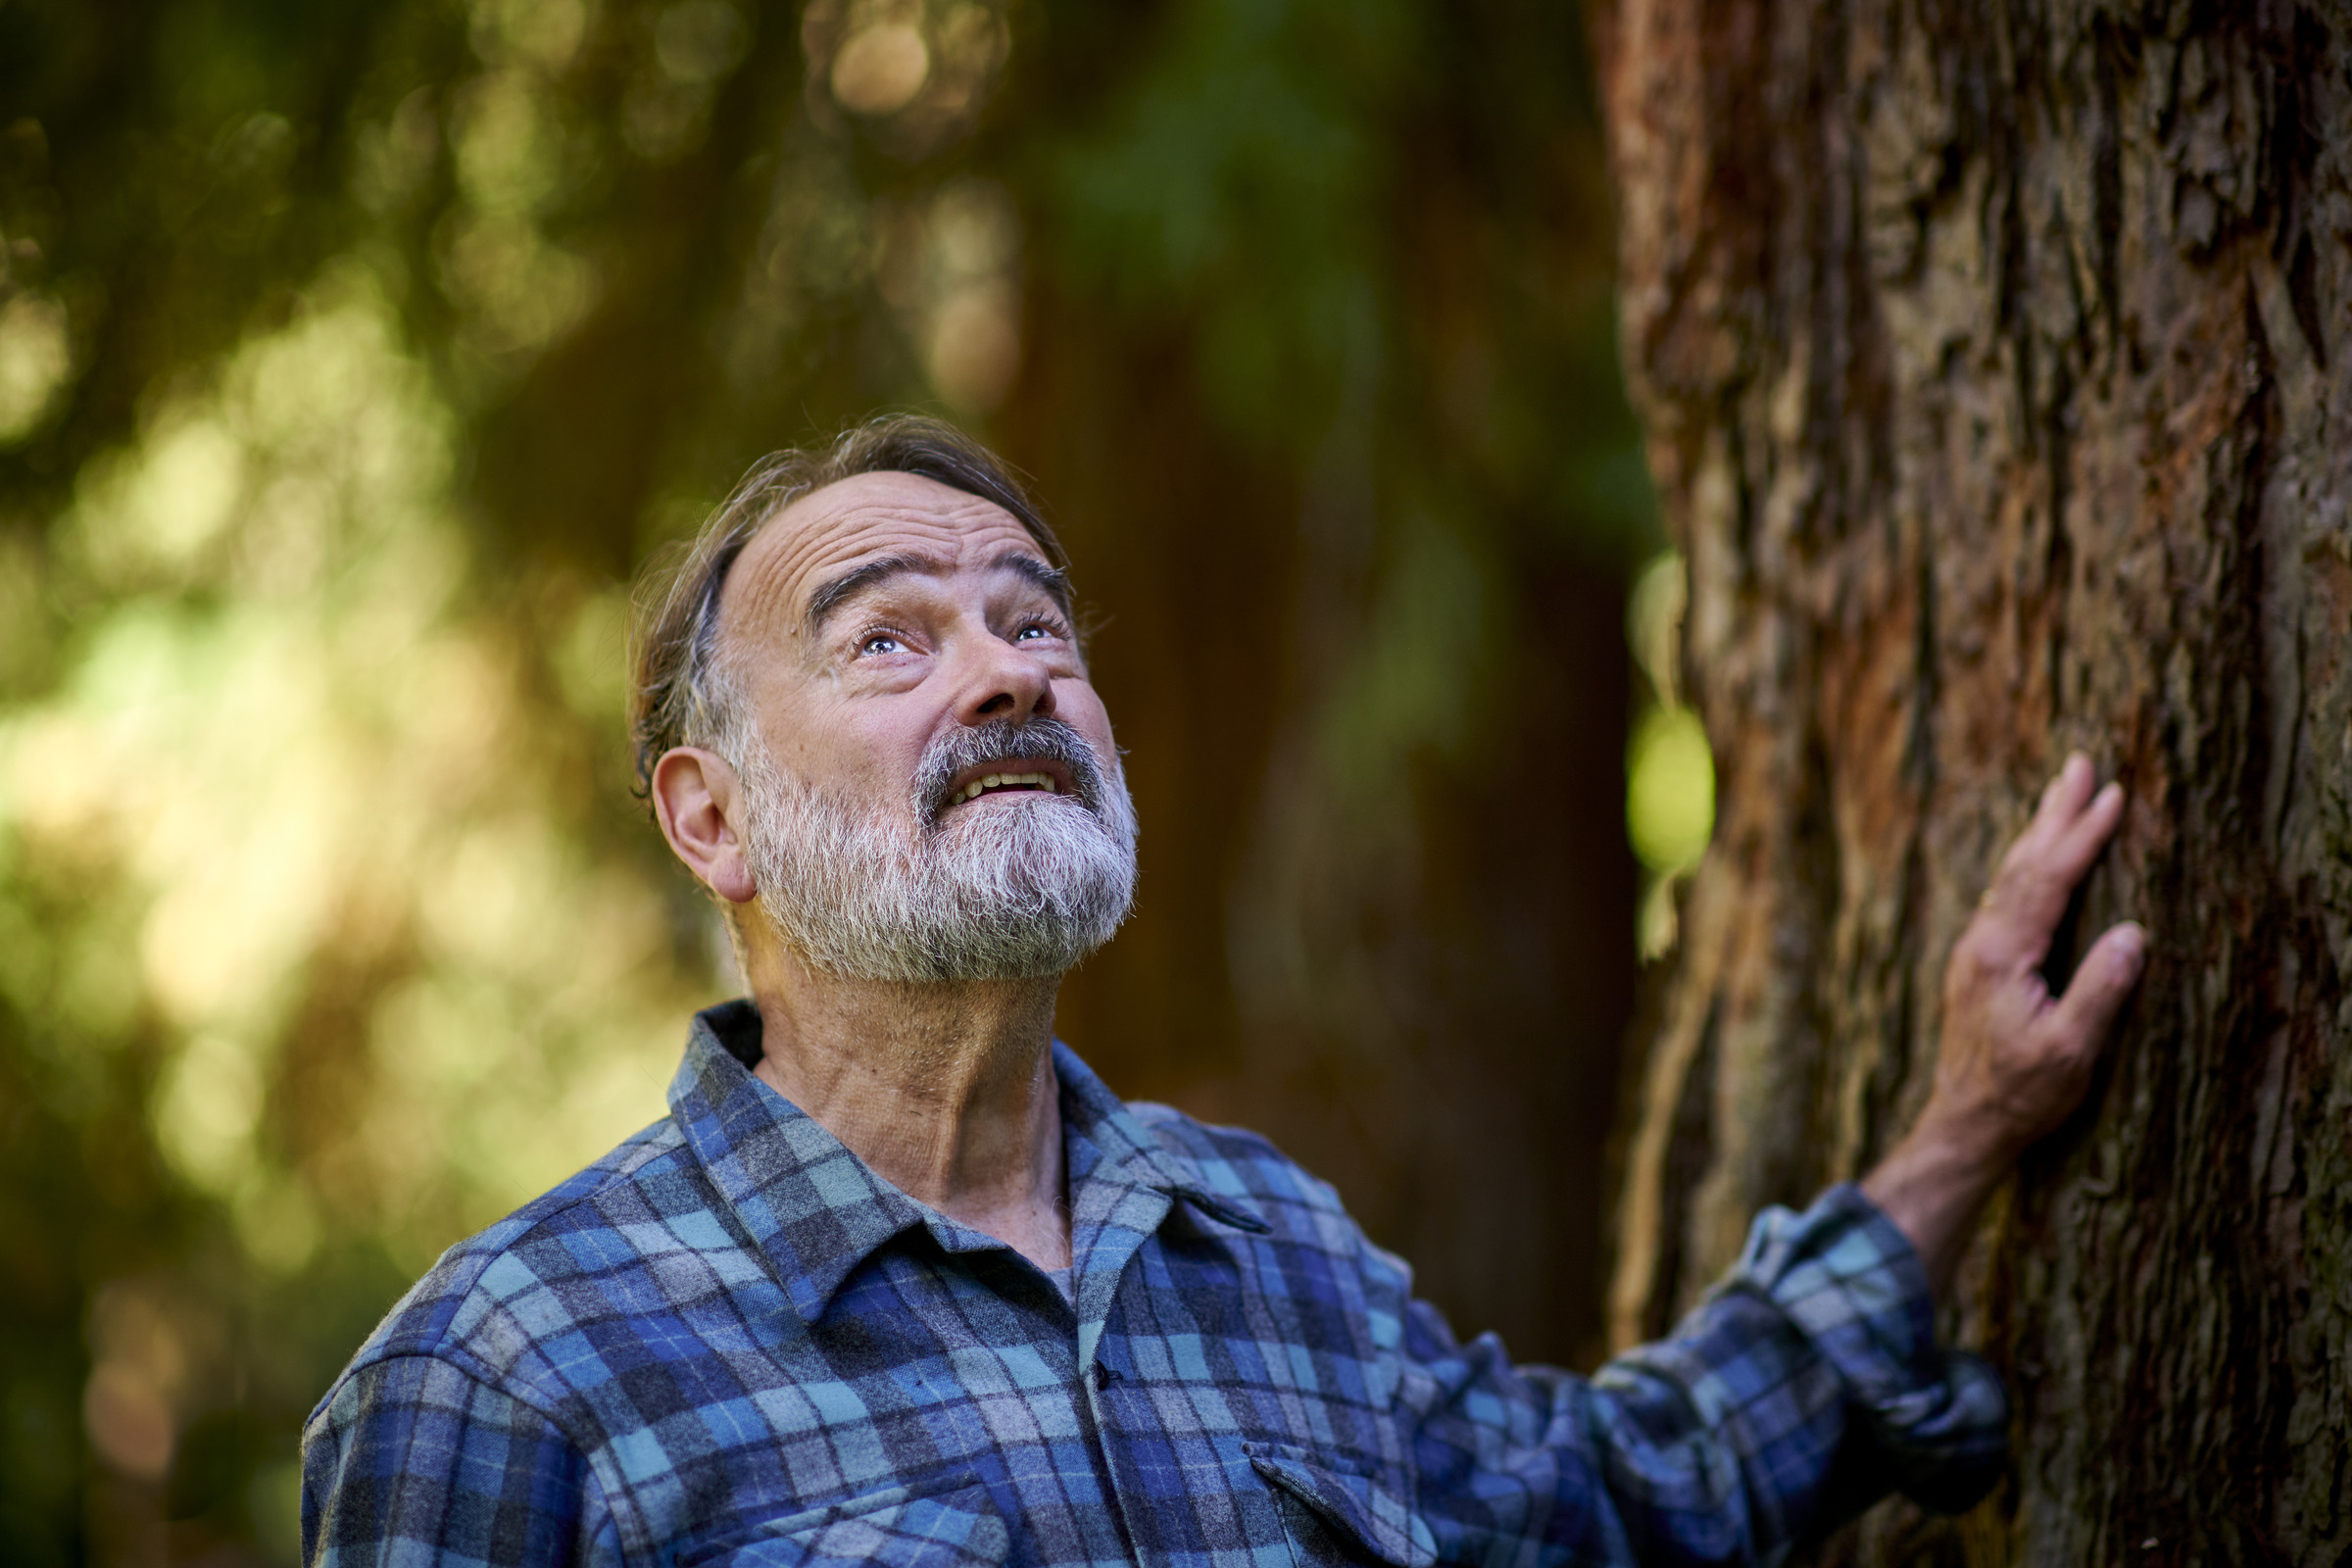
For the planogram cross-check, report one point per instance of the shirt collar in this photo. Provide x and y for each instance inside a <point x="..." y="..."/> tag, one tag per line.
<point x="1103" y="1139"/>
<point x="814" y="1209"/>
<point x="810" y="1206"/>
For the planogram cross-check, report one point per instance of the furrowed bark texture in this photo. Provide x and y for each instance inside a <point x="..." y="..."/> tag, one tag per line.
<point x="1995" y="368"/>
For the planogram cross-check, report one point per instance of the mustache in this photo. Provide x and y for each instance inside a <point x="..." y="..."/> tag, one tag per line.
<point x="1046" y="740"/>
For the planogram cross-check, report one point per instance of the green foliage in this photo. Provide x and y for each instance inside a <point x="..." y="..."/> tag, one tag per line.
<point x="353" y="355"/>
<point x="1242" y="175"/>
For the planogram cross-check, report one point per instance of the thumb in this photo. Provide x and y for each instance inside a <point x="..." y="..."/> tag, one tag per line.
<point x="2101" y="982"/>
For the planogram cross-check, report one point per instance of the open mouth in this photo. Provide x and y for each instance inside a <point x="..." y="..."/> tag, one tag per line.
<point x="1008" y="777"/>
<point x="1000" y="783"/>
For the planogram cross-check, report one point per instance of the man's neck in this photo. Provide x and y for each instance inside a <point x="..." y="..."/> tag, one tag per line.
<point x="946" y="1091"/>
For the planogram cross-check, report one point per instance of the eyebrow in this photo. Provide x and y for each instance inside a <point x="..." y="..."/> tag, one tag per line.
<point x="832" y="594"/>
<point x="1051" y="580"/>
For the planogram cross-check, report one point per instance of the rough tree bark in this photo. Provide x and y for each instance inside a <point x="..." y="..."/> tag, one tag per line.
<point x="1994" y="365"/>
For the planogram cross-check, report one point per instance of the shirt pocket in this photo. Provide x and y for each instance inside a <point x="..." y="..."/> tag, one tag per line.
<point x="900" y="1528"/>
<point x="1336" y="1513"/>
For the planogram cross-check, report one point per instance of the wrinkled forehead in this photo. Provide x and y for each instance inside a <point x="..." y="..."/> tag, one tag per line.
<point x="833" y="530"/>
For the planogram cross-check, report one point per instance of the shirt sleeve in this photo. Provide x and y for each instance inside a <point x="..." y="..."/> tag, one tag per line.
<point x="412" y="1460"/>
<point x="1807" y="1386"/>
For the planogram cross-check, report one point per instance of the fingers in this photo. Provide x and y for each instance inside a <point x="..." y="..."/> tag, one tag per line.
<point x="2061" y="804"/>
<point x="2102" y="981"/>
<point x="2079" y="841"/>
<point x="2063" y="796"/>
<point x="2038" y="874"/>
<point x="2047" y="874"/>
<point x="2072" y="822"/>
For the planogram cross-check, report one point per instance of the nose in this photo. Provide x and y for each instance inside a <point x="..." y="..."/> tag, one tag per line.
<point x="1006" y="684"/>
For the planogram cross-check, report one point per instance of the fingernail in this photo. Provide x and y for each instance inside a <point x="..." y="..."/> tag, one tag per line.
<point x="2132" y="941"/>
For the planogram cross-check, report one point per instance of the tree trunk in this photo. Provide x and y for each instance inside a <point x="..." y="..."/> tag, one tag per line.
<point x="1994" y="370"/>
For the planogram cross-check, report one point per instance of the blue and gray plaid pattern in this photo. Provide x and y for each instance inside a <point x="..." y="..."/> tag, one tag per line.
<point x="729" y="1342"/>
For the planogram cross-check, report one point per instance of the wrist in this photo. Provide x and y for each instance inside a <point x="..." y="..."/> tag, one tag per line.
<point x="1933" y="1182"/>
<point x="1964" y="1138"/>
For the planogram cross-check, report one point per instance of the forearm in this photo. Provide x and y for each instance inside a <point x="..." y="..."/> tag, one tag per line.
<point x="1933" y="1186"/>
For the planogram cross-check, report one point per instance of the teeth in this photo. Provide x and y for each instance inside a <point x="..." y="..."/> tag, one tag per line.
<point x="993" y="781"/>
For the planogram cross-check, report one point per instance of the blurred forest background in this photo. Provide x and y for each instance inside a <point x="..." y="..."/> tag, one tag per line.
<point x="353" y="358"/>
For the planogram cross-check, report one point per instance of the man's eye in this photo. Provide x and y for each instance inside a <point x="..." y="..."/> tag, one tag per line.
<point x="1034" y="631"/>
<point x="881" y="642"/>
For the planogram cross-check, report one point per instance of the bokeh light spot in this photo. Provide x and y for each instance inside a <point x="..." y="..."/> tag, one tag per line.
<point x="129" y="1423"/>
<point x="545" y="32"/>
<point x="35" y="355"/>
<point x="881" y="69"/>
<point x="206" y="1111"/>
<point x="1670" y="790"/>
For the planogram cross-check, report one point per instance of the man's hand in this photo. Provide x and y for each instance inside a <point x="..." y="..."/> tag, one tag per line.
<point x="2014" y="1061"/>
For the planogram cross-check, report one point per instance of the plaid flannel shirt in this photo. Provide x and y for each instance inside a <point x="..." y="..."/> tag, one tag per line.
<point x="730" y="1342"/>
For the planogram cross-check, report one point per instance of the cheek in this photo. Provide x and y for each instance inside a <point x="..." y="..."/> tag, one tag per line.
<point x="1077" y="705"/>
<point x="859" y="749"/>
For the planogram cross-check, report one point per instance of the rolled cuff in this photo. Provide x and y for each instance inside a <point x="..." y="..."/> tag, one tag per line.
<point x="1851" y="1282"/>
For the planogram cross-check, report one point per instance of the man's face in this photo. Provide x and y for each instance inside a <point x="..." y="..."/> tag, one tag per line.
<point x="929" y="791"/>
<point x="875" y="615"/>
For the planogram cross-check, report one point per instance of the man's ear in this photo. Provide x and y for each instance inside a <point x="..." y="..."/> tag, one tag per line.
<point x="699" y="802"/>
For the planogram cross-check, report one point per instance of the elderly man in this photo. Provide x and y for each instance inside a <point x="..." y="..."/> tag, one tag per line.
<point x="900" y="1280"/>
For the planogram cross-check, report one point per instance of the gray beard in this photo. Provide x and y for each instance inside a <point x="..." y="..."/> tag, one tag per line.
<point x="1013" y="887"/>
